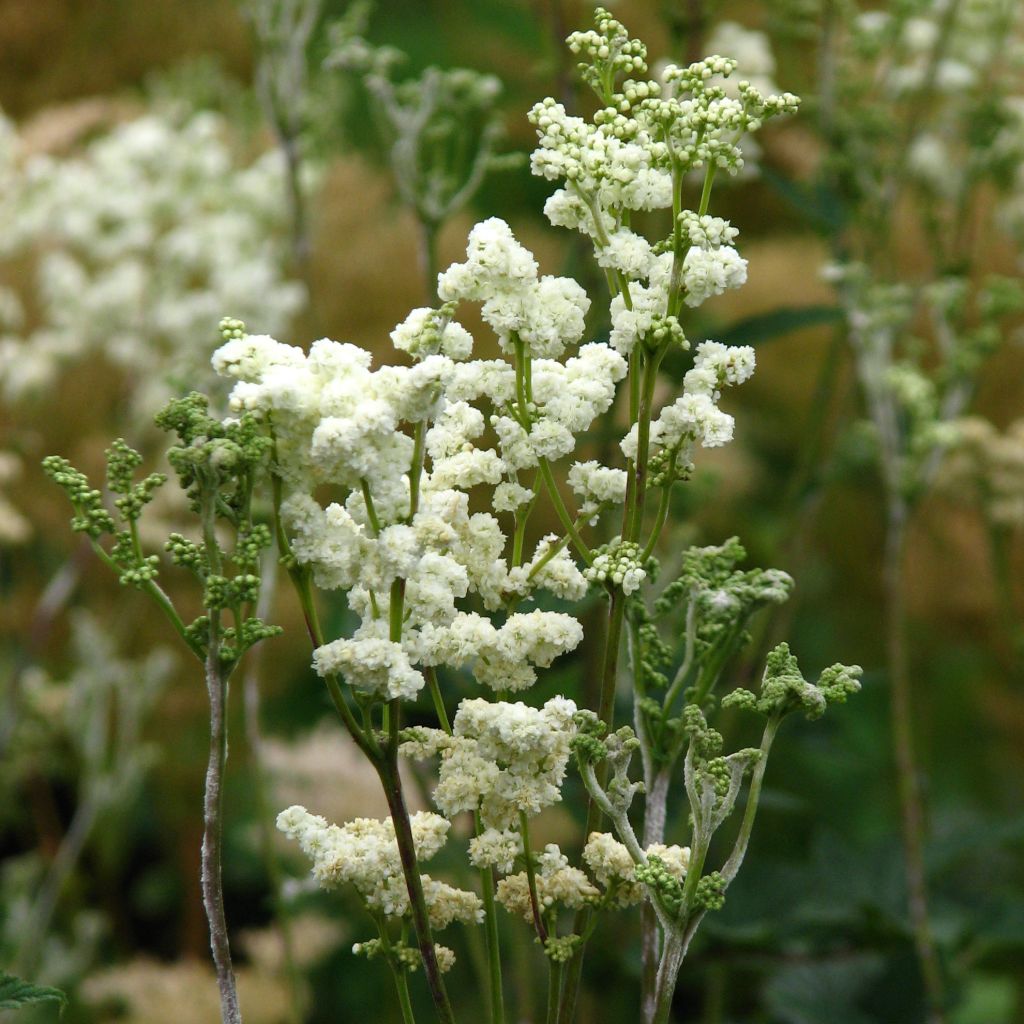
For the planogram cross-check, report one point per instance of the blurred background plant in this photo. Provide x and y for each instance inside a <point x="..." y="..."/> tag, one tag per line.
<point x="148" y="187"/>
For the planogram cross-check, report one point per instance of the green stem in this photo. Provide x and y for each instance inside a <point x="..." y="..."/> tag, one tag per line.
<point x="664" y="504"/>
<point x="563" y="513"/>
<point x="397" y="971"/>
<point x="650" y="377"/>
<point x="416" y="470"/>
<point x="705" y="195"/>
<point x="554" y="989"/>
<point x="157" y="594"/>
<point x="435" y="695"/>
<point x="402" y="986"/>
<point x="387" y="771"/>
<point x="386" y="766"/>
<point x="632" y="523"/>
<point x="497" y="999"/>
<point x="606" y="711"/>
<point x="371" y="511"/>
<point x="521" y="519"/>
<point x="739" y="850"/>
<point x="531" y="879"/>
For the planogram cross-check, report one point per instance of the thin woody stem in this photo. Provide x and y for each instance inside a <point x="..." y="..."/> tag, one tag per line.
<point x="217" y="674"/>
<point x="213" y="812"/>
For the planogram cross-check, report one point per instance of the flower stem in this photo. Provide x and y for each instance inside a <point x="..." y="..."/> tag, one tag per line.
<point x="554" y="987"/>
<point x="387" y="771"/>
<point x="531" y="879"/>
<point x="213" y="813"/>
<point x="563" y="513"/>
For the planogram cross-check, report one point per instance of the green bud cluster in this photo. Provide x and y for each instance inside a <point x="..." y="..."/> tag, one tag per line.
<point x="657" y="877"/>
<point x="185" y="553"/>
<point x="617" y="564"/>
<point x="784" y="689"/>
<point x="401" y="955"/>
<point x="588" y="743"/>
<point x="666" y="330"/>
<point x="212" y="454"/>
<point x="560" y="948"/>
<point x="217" y="462"/>
<point x="710" y="891"/>
<point x="234" y="643"/>
<point x="665" y="467"/>
<point x="654" y="655"/>
<point x="122" y="461"/>
<point x="91" y="516"/>
<point x="607" y="52"/>
<point x="704" y="740"/>
<point x="231" y="329"/>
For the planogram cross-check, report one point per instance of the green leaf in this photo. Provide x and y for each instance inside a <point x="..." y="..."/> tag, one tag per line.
<point x="762" y="327"/>
<point x="816" y="202"/>
<point x="15" y="993"/>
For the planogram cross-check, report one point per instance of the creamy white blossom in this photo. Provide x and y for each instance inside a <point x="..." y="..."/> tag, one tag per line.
<point x="364" y="853"/>
<point x="503" y="759"/>
<point x="135" y="246"/>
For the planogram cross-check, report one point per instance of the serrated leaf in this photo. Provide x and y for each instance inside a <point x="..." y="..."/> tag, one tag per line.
<point x="15" y="993"/>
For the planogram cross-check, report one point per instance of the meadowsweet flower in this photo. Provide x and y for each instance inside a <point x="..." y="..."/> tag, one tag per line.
<point x="364" y="854"/>
<point x="373" y="666"/>
<point x="558" y="884"/>
<point x="503" y="759"/>
<point x="497" y="848"/>
<point x="136" y="245"/>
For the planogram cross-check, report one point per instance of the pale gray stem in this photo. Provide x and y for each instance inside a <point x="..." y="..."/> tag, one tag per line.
<point x="676" y="944"/>
<point x="655" y="809"/>
<point x="739" y="850"/>
<point x="213" y="808"/>
<point x="650" y="934"/>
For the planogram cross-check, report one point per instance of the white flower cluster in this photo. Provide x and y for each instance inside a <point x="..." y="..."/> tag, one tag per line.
<point x="597" y="486"/>
<point x="137" y="245"/>
<point x="694" y="418"/>
<point x="547" y="314"/>
<point x="503" y="760"/>
<point x="557" y="883"/>
<point x="364" y="854"/>
<point x="406" y="514"/>
<point x="624" y="160"/>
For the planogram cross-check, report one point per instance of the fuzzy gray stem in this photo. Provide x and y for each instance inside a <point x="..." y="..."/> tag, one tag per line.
<point x="650" y="945"/>
<point x="213" y="810"/>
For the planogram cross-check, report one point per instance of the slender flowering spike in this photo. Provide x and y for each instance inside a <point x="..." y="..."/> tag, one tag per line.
<point x="409" y="488"/>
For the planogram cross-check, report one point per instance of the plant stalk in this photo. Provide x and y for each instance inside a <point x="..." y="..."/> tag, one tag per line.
<point x="213" y="814"/>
